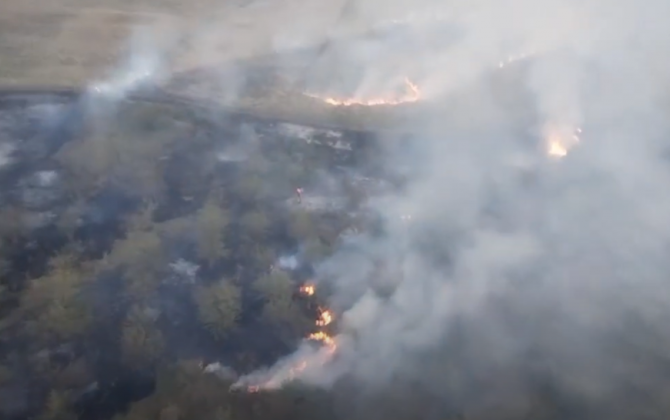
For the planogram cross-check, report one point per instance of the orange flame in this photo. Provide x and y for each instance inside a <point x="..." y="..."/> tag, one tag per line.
<point x="559" y="144"/>
<point x="325" y="318"/>
<point x="412" y="94"/>
<point x="328" y="342"/>
<point x="307" y="289"/>
<point x="330" y="347"/>
<point x="322" y="337"/>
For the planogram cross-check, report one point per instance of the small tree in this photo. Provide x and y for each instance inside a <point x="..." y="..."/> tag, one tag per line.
<point x="66" y="318"/>
<point x="211" y="225"/>
<point x="275" y="286"/>
<point x="255" y="223"/>
<point x="280" y="310"/>
<point x="141" y="341"/>
<point x="54" y="302"/>
<point x="57" y="407"/>
<point x="302" y="226"/>
<point x="249" y="187"/>
<point x="142" y="256"/>
<point x="142" y="220"/>
<point x="219" y="307"/>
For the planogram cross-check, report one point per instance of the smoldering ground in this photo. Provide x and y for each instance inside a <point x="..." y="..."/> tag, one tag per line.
<point x="509" y="276"/>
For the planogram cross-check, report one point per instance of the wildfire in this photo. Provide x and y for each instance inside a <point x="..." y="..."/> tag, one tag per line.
<point x="559" y="143"/>
<point x="411" y="94"/>
<point x="328" y="342"/>
<point x="325" y="318"/>
<point x="274" y="383"/>
<point x="329" y="347"/>
<point x="322" y="337"/>
<point x="307" y="289"/>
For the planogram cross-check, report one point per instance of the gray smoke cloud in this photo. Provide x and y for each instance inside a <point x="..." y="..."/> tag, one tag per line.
<point x="513" y="263"/>
<point x="556" y="266"/>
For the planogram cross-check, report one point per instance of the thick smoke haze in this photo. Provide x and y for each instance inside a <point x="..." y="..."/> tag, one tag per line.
<point x="557" y="267"/>
<point x="514" y="264"/>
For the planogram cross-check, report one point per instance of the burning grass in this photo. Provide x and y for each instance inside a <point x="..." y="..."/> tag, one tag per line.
<point x="411" y="94"/>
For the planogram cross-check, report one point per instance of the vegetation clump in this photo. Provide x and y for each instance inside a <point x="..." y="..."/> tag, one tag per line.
<point x="219" y="307"/>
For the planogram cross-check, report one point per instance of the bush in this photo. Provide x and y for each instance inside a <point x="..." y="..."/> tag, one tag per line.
<point x="219" y="307"/>
<point x="142" y="343"/>
<point x="211" y="225"/>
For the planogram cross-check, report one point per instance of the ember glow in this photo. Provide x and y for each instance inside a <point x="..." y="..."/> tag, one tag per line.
<point x="322" y="337"/>
<point x="411" y="94"/>
<point x="325" y="318"/>
<point x="307" y="289"/>
<point x="559" y="142"/>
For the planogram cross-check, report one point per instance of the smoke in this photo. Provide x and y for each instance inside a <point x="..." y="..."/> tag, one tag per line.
<point x="143" y="65"/>
<point x="496" y="261"/>
<point x="555" y="269"/>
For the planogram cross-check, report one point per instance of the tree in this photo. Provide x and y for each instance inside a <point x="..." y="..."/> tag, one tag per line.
<point x="55" y="301"/>
<point x="171" y="412"/>
<point x="137" y="248"/>
<point x="141" y="341"/>
<point x="256" y="223"/>
<point x="88" y="161"/>
<point x="211" y="224"/>
<point x="263" y="256"/>
<point x="69" y="219"/>
<point x="275" y="286"/>
<point x="57" y="407"/>
<point x="249" y="187"/>
<point x="143" y="219"/>
<point x="302" y="225"/>
<point x="175" y="229"/>
<point x="142" y="256"/>
<point x="75" y="374"/>
<point x="280" y="309"/>
<point x="11" y="225"/>
<point x="219" y="306"/>
<point x="6" y="374"/>
<point x="316" y="249"/>
<point x="65" y="318"/>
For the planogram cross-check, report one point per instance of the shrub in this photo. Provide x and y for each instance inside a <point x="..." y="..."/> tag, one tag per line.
<point x="211" y="225"/>
<point x="219" y="307"/>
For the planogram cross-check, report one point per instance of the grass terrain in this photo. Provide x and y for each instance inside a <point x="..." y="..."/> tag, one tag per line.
<point x="68" y="43"/>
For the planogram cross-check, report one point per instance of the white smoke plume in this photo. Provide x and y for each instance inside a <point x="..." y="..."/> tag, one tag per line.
<point x="143" y="65"/>
<point x="565" y="260"/>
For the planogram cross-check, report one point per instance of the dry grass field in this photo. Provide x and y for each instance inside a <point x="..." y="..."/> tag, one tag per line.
<point x="69" y="43"/>
<point x="66" y="42"/>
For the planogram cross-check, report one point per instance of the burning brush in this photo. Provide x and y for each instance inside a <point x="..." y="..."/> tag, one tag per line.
<point x="411" y="94"/>
<point x="292" y="370"/>
<point x="307" y="289"/>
